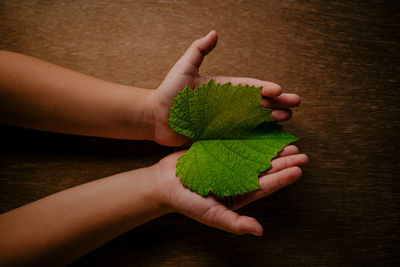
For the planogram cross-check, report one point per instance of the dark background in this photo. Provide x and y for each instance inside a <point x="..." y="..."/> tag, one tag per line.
<point x="341" y="57"/>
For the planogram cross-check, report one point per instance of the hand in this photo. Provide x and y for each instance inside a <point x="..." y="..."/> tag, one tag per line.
<point x="208" y="210"/>
<point x="186" y="72"/>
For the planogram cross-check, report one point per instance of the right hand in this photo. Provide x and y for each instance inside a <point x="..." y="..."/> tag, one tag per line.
<point x="210" y="211"/>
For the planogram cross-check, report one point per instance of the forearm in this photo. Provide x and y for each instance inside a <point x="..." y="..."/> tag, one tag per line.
<point x="64" y="226"/>
<point x="39" y="95"/>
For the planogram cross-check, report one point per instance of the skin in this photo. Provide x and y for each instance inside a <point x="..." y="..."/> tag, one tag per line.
<point x="64" y="226"/>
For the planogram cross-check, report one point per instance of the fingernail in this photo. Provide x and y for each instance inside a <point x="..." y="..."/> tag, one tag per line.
<point x="256" y="234"/>
<point x="209" y="33"/>
<point x="206" y="35"/>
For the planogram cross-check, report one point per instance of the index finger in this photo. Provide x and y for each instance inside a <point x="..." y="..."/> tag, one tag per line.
<point x="270" y="89"/>
<point x="271" y="183"/>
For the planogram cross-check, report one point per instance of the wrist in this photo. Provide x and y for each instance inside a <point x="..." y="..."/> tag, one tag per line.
<point x="137" y="117"/>
<point x="151" y="113"/>
<point x="161" y="190"/>
<point x="164" y="187"/>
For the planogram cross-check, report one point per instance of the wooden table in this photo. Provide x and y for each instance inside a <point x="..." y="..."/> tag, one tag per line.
<point x="341" y="57"/>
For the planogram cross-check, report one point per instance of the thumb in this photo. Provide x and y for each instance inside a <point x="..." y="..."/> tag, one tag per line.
<point x="195" y="54"/>
<point x="225" y="219"/>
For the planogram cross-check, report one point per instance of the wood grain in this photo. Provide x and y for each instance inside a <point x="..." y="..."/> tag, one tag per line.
<point x="343" y="59"/>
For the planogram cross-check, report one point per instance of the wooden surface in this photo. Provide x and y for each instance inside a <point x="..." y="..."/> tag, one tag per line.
<point x="343" y="59"/>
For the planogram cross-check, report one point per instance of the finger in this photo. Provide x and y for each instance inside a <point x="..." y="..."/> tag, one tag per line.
<point x="220" y="217"/>
<point x="282" y="163"/>
<point x="172" y="159"/>
<point x="195" y="54"/>
<point x="281" y="114"/>
<point x="281" y="101"/>
<point x="273" y="182"/>
<point x="172" y="139"/>
<point x="289" y="150"/>
<point x="286" y="160"/>
<point x="270" y="89"/>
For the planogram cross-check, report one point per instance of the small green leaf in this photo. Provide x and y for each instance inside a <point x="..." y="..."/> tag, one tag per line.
<point x="235" y="138"/>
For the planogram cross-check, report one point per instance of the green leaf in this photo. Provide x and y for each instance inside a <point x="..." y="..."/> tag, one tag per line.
<point x="235" y="138"/>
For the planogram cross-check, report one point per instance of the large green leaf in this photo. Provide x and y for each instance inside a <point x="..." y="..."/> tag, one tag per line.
<point x="235" y="138"/>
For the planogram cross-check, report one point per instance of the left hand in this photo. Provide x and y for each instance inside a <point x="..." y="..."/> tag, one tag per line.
<point x="208" y="210"/>
<point x="186" y="72"/>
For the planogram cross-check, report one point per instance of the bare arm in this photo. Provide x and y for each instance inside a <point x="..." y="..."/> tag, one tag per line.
<point x="40" y="95"/>
<point x="64" y="226"/>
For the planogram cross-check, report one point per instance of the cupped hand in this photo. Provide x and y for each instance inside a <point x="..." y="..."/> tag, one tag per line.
<point x="186" y="72"/>
<point x="210" y="211"/>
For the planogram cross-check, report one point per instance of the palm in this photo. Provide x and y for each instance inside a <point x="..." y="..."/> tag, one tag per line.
<point x="212" y="212"/>
<point x="186" y="72"/>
